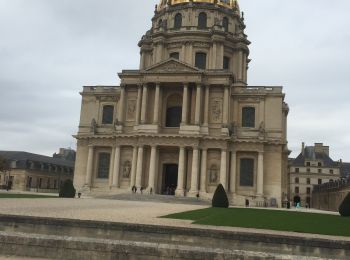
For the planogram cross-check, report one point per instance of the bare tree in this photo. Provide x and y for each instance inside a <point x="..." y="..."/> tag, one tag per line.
<point x="4" y="164"/>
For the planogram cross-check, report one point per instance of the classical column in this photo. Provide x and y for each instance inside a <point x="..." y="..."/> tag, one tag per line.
<point x="194" y="173"/>
<point x="121" y="104"/>
<point x="206" y="106"/>
<point x="139" y="167"/>
<point x="260" y="178"/>
<point x="184" y="105"/>
<point x="156" y="105"/>
<point x="144" y="104"/>
<point x="233" y="171"/>
<point x="203" y="182"/>
<point x="90" y="163"/>
<point x="111" y="167"/>
<point x="133" y="167"/>
<point x="152" y="168"/>
<point x="181" y="173"/>
<point x="214" y="55"/>
<point x="223" y="169"/>
<point x="198" y="105"/>
<point x="116" y="167"/>
<point x="225" y="106"/>
<point x="138" y="104"/>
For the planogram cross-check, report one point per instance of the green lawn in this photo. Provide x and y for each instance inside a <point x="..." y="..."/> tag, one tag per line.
<point x="269" y="219"/>
<point x="24" y="196"/>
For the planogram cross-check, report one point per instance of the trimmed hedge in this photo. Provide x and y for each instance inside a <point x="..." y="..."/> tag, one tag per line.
<point x="220" y="199"/>
<point x="67" y="190"/>
<point x="344" y="208"/>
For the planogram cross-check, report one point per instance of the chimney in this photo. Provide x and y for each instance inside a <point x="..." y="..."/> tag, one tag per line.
<point x="303" y="148"/>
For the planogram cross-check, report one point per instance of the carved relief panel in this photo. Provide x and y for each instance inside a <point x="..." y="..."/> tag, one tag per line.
<point x="215" y="110"/>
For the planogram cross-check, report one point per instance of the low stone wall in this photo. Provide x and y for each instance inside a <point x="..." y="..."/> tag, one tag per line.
<point x="76" y="239"/>
<point x="329" y="199"/>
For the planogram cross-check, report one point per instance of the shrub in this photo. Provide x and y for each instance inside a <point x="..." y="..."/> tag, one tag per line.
<point x="344" y="208"/>
<point x="220" y="199"/>
<point x="67" y="190"/>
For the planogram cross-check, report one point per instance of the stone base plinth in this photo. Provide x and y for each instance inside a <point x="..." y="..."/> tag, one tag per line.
<point x="190" y="130"/>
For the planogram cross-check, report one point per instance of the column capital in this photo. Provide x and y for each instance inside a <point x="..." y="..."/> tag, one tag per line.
<point x="158" y="84"/>
<point x="185" y="84"/>
<point x="91" y="146"/>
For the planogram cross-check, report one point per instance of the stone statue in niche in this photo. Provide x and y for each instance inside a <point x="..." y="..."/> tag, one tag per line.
<point x="262" y="130"/>
<point x="213" y="174"/>
<point x="216" y="110"/>
<point x="126" y="170"/>
<point x="131" y="108"/>
<point x="93" y="126"/>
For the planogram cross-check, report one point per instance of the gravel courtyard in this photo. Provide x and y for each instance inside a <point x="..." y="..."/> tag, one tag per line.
<point x="97" y="209"/>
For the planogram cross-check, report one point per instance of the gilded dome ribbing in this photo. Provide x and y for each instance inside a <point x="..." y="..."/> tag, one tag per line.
<point x="232" y="4"/>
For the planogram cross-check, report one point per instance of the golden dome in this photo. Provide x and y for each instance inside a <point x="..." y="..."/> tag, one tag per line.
<point x="232" y="4"/>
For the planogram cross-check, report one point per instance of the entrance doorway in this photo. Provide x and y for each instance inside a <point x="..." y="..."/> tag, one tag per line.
<point x="169" y="179"/>
<point x="296" y="200"/>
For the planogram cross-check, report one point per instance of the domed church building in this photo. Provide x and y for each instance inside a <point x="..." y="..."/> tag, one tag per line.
<point x="186" y="121"/>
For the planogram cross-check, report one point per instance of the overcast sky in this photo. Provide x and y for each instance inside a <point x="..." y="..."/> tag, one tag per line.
<point x="49" y="49"/>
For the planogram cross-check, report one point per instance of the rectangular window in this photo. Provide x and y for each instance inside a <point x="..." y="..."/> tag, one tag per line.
<point x="308" y="164"/>
<point x="319" y="181"/>
<point x="201" y="60"/>
<point x="103" y="165"/>
<point x="308" y="170"/>
<point x="175" y="55"/>
<point x="226" y="64"/>
<point x="107" y="116"/>
<point x="297" y="170"/>
<point x="308" y="181"/>
<point x="248" y="117"/>
<point x="331" y="171"/>
<point x="296" y="190"/>
<point x="296" y="180"/>
<point x="308" y="190"/>
<point x="319" y="170"/>
<point x="247" y="173"/>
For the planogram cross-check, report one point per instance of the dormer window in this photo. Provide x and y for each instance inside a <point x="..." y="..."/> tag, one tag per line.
<point x="225" y="24"/>
<point x="178" y="21"/>
<point x="202" y="20"/>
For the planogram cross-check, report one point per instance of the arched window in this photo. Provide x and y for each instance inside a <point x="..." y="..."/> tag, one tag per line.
<point x="225" y="24"/>
<point x="201" y="60"/>
<point x="173" y="111"/>
<point x="160" y="23"/>
<point x="107" y="115"/>
<point x="248" y="117"/>
<point x="246" y="172"/>
<point x="202" y="21"/>
<point x="178" y="21"/>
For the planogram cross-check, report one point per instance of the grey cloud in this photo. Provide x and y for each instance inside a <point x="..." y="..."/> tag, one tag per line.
<point x="50" y="49"/>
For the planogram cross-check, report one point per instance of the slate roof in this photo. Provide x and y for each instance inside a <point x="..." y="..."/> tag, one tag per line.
<point x="310" y="154"/>
<point x="23" y="157"/>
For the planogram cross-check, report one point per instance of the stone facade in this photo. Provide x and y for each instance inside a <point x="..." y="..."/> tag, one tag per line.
<point x="312" y="167"/>
<point x="186" y="120"/>
<point x="329" y="196"/>
<point x="34" y="172"/>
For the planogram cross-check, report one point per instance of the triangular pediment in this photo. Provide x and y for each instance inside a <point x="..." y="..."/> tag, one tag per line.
<point x="172" y="66"/>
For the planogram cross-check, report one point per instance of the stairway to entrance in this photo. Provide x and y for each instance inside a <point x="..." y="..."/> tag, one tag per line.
<point x="156" y="198"/>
